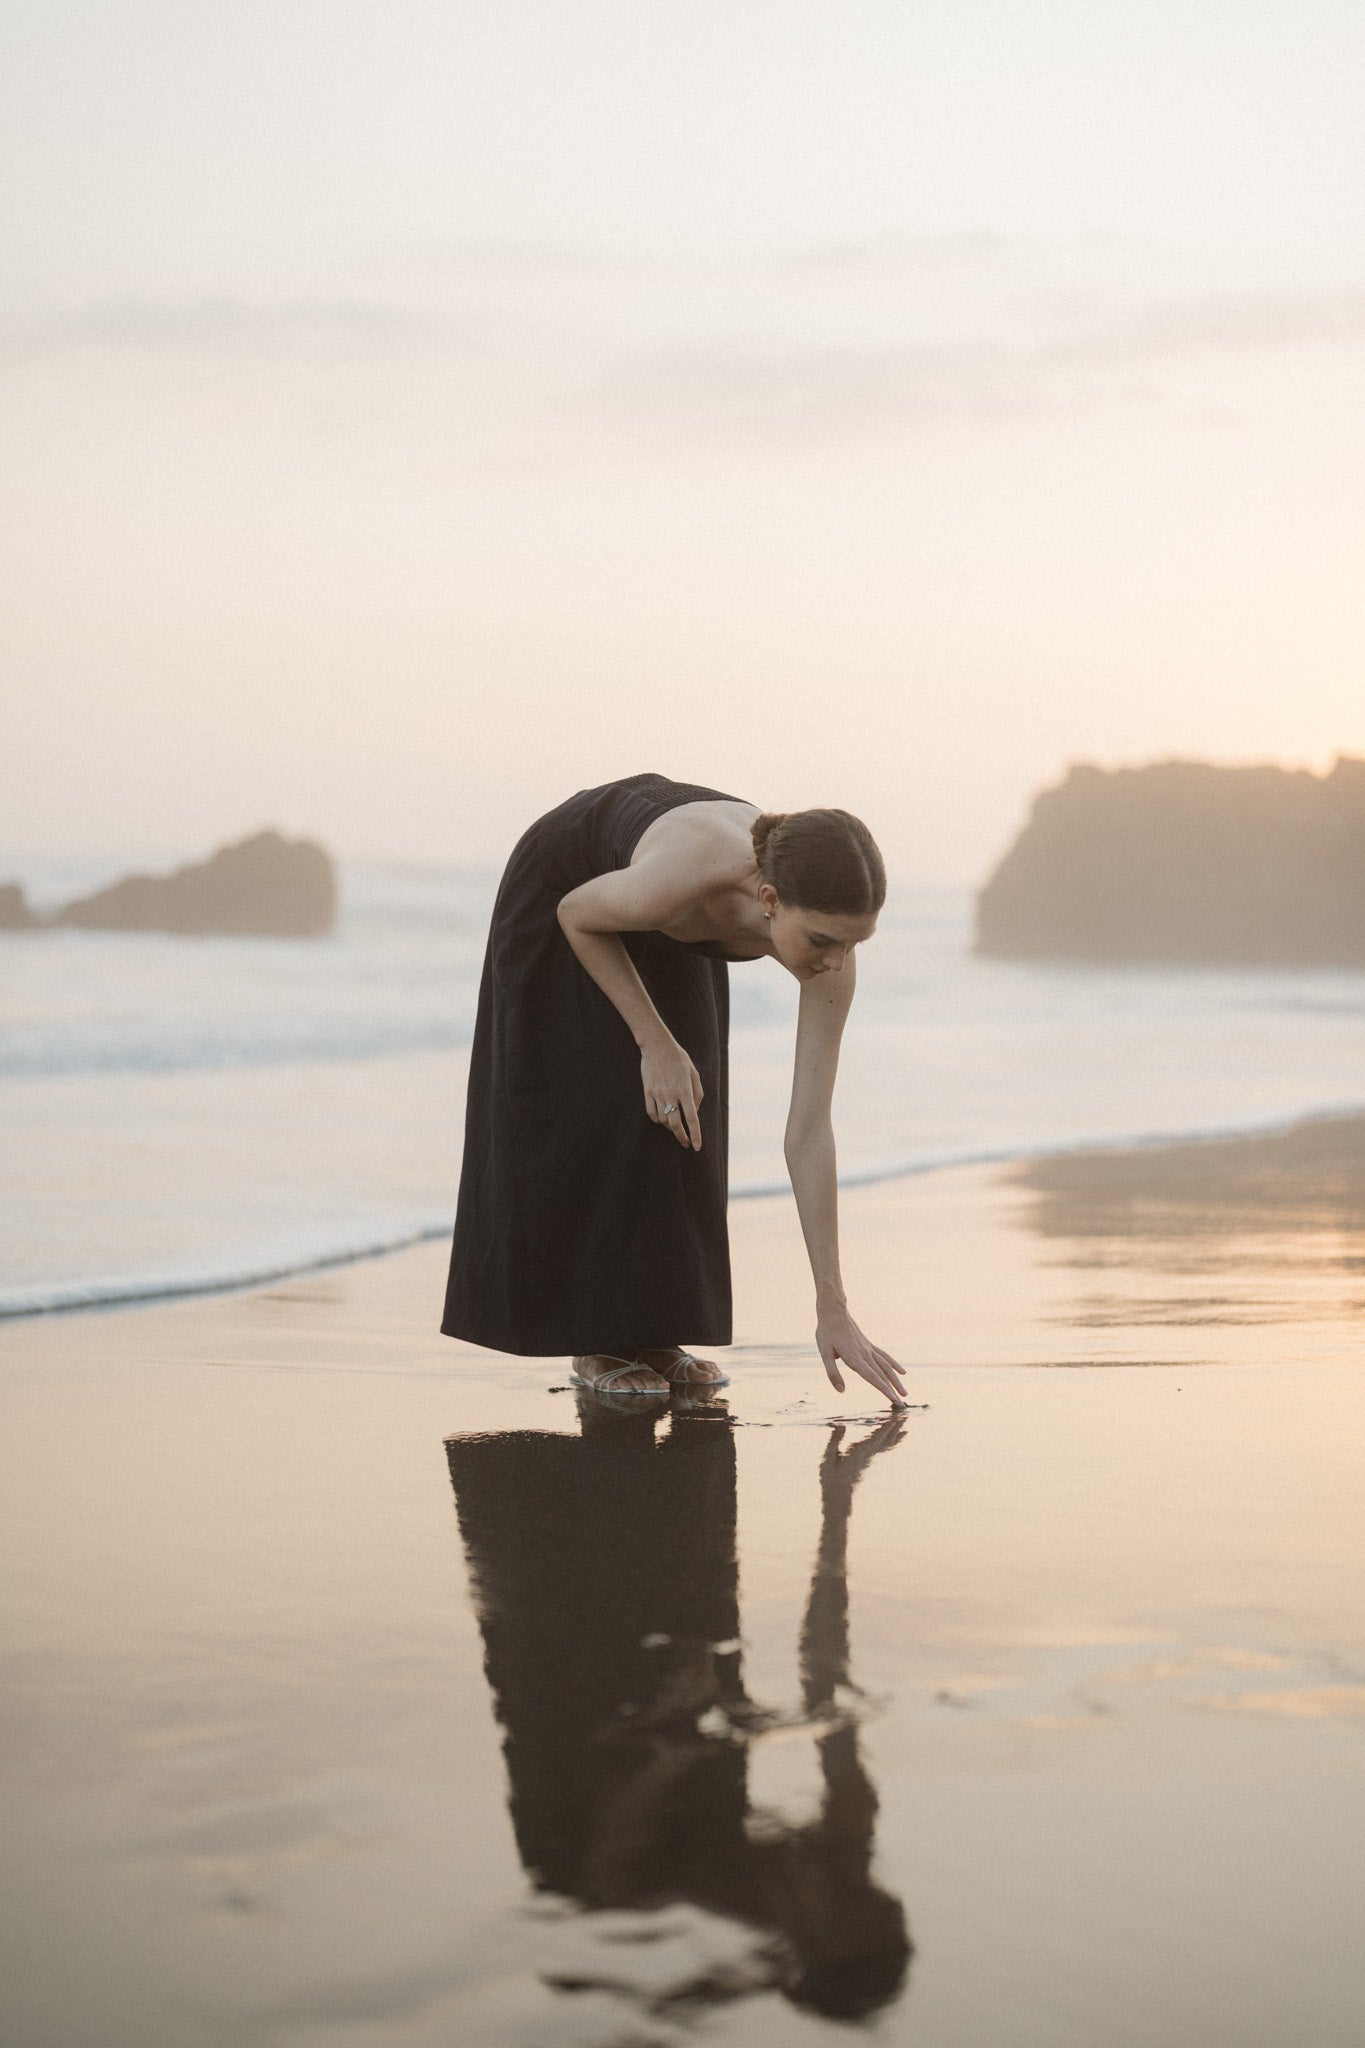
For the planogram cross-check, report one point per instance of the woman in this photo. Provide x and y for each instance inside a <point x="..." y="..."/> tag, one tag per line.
<point x="591" y="1216"/>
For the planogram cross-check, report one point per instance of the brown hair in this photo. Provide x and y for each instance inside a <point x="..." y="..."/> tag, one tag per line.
<point x="820" y="860"/>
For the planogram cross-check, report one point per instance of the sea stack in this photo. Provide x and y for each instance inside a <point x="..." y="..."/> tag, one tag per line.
<point x="1188" y="864"/>
<point x="15" y="915"/>
<point x="266" y="886"/>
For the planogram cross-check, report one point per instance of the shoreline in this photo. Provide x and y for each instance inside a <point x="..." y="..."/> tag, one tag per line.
<point x="246" y="1271"/>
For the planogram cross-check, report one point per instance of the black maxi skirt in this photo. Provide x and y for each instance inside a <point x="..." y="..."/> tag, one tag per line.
<point x="581" y="1225"/>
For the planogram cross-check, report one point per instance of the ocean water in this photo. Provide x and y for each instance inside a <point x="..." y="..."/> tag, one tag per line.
<point x="184" y="1114"/>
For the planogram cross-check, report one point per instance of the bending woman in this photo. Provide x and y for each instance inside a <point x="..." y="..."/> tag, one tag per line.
<point x="591" y="1217"/>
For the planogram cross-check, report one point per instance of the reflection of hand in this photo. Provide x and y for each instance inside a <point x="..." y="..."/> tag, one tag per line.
<point x="671" y="1083"/>
<point x="883" y="1438"/>
<point x="850" y="1465"/>
<point x="839" y="1337"/>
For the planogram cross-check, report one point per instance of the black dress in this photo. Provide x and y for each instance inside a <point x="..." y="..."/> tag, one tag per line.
<point x="582" y="1226"/>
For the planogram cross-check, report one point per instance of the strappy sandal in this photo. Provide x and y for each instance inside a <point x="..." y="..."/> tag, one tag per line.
<point x="674" y="1379"/>
<point x="603" y="1383"/>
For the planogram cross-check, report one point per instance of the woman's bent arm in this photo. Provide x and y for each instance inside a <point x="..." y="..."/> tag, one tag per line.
<point x="640" y="898"/>
<point x="825" y="1001"/>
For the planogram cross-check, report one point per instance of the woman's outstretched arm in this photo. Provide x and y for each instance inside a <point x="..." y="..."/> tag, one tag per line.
<point x="825" y="1001"/>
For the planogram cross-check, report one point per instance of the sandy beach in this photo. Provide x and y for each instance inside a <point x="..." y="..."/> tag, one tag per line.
<point x="1033" y="1720"/>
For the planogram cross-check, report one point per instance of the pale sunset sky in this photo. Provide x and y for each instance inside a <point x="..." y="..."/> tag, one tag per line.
<point x="416" y="411"/>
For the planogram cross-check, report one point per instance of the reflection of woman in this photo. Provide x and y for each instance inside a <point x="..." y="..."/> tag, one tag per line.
<point x="605" y="1572"/>
<point x="592" y="1200"/>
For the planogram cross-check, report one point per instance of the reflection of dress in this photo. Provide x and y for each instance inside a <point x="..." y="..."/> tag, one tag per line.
<point x="606" y="1580"/>
<point x="582" y="1226"/>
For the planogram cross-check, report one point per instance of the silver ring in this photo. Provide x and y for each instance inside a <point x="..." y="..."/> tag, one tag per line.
<point x="669" y="1108"/>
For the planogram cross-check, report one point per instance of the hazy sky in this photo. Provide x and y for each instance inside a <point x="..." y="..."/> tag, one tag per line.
<point x="415" y="411"/>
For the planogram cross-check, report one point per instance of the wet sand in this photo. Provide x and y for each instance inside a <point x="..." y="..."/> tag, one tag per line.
<point x="366" y="1689"/>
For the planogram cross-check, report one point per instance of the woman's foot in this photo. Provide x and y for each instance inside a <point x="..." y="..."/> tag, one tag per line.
<point x="681" y="1369"/>
<point x="607" y="1374"/>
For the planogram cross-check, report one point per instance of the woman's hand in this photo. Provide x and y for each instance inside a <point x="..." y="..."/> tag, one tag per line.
<point x="673" y="1091"/>
<point x="839" y="1337"/>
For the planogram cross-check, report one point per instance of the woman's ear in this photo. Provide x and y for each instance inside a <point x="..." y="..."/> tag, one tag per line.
<point x="768" y="898"/>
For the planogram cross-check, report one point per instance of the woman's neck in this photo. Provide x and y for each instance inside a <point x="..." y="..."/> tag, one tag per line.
<point x="731" y="916"/>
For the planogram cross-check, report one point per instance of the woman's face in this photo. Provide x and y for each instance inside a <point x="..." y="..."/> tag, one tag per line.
<point x="812" y="942"/>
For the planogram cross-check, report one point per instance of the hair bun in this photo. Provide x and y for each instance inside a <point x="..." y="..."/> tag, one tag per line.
<point x="763" y="829"/>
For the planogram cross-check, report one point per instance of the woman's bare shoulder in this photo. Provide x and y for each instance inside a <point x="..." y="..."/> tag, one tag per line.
<point x="713" y="831"/>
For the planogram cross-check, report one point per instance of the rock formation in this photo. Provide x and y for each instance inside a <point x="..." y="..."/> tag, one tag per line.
<point x="15" y="915"/>
<point x="264" y="886"/>
<point x="1186" y="863"/>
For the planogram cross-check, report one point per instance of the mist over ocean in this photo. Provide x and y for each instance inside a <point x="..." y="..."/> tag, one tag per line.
<point x="186" y="1113"/>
